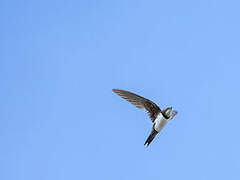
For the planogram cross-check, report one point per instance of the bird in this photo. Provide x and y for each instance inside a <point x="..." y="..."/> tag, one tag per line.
<point x="159" y="117"/>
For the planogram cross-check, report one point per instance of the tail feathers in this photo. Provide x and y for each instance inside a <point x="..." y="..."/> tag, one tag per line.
<point x="150" y="137"/>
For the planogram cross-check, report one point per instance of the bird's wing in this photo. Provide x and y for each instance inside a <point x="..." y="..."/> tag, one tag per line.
<point x="151" y="136"/>
<point x="140" y="102"/>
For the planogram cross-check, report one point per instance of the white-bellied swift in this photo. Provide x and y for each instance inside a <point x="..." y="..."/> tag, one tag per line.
<point x="159" y="117"/>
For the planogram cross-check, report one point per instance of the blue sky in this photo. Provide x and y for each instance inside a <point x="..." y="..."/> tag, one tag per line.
<point x="59" y="61"/>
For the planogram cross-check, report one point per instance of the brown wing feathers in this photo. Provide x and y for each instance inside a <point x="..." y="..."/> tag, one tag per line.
<point x="131" y="97"/>
<point x="139" y="102"/>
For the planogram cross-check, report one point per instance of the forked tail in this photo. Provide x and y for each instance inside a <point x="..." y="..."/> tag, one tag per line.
<point x="150" y="137"/>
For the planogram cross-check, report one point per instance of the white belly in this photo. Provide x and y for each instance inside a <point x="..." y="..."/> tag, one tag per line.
<point x="160" y="122"/>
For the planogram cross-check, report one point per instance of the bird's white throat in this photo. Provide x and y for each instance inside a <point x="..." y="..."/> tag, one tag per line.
<point x="160" y="121"/>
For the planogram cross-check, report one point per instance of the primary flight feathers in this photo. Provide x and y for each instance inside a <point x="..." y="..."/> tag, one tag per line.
<point x="159" y="117"/>
<point x="140" y="102"/>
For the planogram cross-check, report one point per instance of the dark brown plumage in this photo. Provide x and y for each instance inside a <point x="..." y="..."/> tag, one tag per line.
<point x="158" y="117"/>
<point x="140" y="102"/>
<point x="151" y="137"/>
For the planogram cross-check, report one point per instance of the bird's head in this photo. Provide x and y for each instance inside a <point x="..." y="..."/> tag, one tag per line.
<point x="168" y="112"/>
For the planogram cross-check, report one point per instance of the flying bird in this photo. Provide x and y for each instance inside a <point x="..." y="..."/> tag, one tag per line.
<point x="159" y="117"/>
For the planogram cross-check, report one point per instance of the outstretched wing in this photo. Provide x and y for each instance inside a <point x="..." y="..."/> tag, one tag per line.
<point x="140" y="102"/>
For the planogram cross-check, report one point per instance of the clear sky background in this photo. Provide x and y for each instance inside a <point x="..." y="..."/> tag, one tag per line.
<point x="59" y="61"/>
